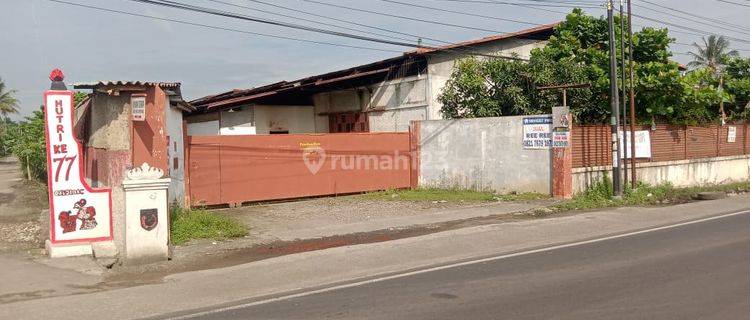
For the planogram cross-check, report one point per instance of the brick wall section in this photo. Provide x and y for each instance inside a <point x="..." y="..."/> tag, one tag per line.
<point x="592" y="143"/>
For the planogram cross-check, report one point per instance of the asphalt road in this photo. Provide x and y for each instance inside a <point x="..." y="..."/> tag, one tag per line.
<point x="697" y="271"/>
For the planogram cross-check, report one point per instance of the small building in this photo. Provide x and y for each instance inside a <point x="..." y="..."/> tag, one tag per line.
<point x="122" y="124"/>
<point x="383" y="96"/>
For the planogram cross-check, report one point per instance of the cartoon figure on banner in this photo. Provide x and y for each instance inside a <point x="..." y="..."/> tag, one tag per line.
<point x="69" y="221"/>
<point x="86" y="215"/>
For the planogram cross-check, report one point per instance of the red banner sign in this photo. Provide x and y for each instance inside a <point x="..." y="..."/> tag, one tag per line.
<point x="78" y="213"/>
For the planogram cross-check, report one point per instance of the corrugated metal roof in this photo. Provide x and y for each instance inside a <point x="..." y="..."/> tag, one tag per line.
<point x="542" y="28"/>
<point x="240" y="95"/>
<point x="91" y="85"/>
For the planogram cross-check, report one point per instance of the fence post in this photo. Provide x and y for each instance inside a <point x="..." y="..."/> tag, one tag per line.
<point x="562" y="155"/>
<point x="414" y="137"/>
<point x="744" y="138"/>
<point x="685" y="129"/>
<point x="718" y="140"/>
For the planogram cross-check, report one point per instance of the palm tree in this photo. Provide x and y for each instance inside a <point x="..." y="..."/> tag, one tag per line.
<point x="8" y="103"/>
<point x="712" y="54"/>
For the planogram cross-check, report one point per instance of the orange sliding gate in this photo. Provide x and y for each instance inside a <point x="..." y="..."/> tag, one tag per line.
<point x="236" y="169"/>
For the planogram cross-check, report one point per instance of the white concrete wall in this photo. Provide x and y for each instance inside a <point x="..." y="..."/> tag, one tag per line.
<point x="391" y="105"/>
<point x="440" y="66"/>
<point x="295" y="119"/>
<point x="403" y="100"/>
<point x="241" y="121"/>
<point x="176" y="155"/>
<point x="681" y="173"/>
<point x="206" y="128"/>
<point x="261" y="119"/>
<point x="481" y="154"/>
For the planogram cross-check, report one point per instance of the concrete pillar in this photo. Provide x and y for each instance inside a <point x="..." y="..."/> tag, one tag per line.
<point x="146" y="216"/>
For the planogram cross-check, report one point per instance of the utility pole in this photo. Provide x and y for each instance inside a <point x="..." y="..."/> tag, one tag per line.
<point x="614" y="101"/>
<point x="624" y="105"/>
<point x="633" y="177"/>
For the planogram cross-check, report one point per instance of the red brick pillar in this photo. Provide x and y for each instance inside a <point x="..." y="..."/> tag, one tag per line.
<point x="562" y="153"/>
<point x="414" y="140"/>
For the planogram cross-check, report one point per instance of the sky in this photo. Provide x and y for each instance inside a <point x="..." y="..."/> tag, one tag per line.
<point x="90" y="45"/>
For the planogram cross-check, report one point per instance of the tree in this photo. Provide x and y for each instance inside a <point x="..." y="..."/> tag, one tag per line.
<point x="8" y="103"/>
<point x="486" y="88"/>
<point x="27" y="143"/>
<point x="576" y="53"/>
<point x="737" y="85"/>
<point x="714" y="53"/>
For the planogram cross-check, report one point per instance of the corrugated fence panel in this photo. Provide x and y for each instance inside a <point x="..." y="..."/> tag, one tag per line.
<point x="591" y="146"/>
<point x="735" y="148"/>
<point x="591" y="143"/>
<point x="269" y="167"/>
<point x="701" y="142"/>
<point x="667" y="142"/>
<point x="204" y="170"/>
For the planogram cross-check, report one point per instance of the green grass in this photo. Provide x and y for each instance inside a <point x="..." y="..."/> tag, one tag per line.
<point x="450" y="195"/>
<point x="432" y="194"/>
<point x="524" y="196"/>
<point x="599" y="195"/>
<point x="191" y="224"/>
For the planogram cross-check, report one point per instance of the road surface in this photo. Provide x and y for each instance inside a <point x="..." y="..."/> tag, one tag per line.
<point x="690" y="271"/>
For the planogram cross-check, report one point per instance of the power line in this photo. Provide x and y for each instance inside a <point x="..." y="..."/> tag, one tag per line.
<point x="696" y="15"/>
<point x="735" y="3"/>
<point x="687" y="28"/>
<point x="218" y="28"/>
<point x="692" y="20"/>
<point x="462" y="13"/>
<point x="459" y="50"/>
<point x="404" y="17"/>
<point x="524" y="5"/>
<point x="227" y="14"/>
<point x="177" y="5"/>
<point x="310" y="20"/>
<point x="693" y="45"/>
<point x="696" y="32"/>
<point x="348" y="21"/>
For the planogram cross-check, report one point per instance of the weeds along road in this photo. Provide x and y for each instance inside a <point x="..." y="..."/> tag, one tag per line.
<point x="689" y="271"/>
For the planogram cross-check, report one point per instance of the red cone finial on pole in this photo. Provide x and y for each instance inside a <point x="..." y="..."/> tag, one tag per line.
<point x="56" y="75"/>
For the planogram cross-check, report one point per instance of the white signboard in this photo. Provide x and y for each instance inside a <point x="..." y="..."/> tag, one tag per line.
<point x="537" y="133"/>
<point x="138" y="104"/>
<point x="561" y="139"/>
<point x="78" y="213"/>
<point x="642" y="145"/>
<point x="732" y="134"/>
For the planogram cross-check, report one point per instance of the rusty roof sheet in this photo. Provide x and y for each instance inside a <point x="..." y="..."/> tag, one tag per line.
<point x="104" y="83"/>
<point x="243" y="95"/>
<point x="504" y="36"/>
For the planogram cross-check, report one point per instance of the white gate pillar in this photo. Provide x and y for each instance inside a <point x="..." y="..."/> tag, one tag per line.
<point x="146" y="215"/>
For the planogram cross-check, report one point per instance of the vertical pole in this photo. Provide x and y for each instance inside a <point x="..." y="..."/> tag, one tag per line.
<point x="633" y="176"/>
<point x="624" y="105"/>
<point x="721" y="104"/>
<point x="614" y="101"/>
<point x="565" y="97"/>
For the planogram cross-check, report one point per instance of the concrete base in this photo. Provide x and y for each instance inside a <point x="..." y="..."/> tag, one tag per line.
<point x="680" y="173"/>
<point x="104" y="249"/>
<point x="67" y="250"/>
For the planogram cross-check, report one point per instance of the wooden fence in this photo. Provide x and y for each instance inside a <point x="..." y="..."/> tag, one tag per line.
<point x="592" y="144"/>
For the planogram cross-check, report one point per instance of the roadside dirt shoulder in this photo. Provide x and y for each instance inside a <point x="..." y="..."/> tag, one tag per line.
<point x="21" y="202"/>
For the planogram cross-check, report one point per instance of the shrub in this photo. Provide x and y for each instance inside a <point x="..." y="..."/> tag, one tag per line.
<point x="191" y="224"/>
